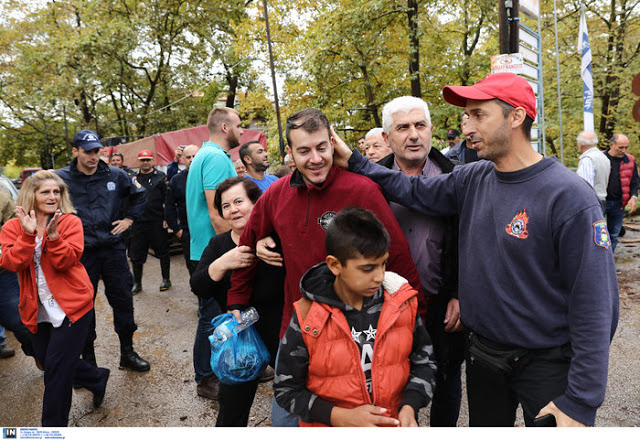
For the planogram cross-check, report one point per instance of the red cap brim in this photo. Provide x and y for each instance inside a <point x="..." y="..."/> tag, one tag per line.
<point x="458" y="95"/>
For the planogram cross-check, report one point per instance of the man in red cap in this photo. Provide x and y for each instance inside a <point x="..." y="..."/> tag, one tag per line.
<point x="151" y="228"/>
<point x="537" y="287"/>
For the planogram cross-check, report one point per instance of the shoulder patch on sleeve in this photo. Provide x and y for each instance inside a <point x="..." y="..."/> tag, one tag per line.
<point x="601" y="234"/>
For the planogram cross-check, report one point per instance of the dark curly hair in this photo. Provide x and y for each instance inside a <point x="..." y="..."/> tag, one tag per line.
<point x="253" y="191"/>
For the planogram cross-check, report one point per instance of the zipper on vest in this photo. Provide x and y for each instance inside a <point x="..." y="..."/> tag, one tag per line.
<point x="363" y="381"/>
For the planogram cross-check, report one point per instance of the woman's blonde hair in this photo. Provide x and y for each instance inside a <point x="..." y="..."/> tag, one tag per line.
<point x="27" y="195"/>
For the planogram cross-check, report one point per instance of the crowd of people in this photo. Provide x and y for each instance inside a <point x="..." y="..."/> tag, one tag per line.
<point x="376" y="271"/>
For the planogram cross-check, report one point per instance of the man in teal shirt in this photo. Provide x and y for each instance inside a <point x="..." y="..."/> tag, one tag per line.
<point x="211" y="165"/>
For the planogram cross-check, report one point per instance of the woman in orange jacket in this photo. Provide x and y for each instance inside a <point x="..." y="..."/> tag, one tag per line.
<point x="44" y="245"/>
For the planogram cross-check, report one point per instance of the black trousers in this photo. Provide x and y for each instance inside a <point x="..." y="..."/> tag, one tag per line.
<point x="111" y="264"/>
<point x="186" y="251"/>
<point x="58" y="351"/>
<point x="449" y="353"/>
<point x="236" y="400"/>
<point x="536" y="379"/>
<point x="235" y="403"/>
<point x="148" y="234"/>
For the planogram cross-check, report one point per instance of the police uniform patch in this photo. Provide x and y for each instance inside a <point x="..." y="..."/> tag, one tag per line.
<point x="518" y="226"/>
<point x="601" y="234"/>
<point x="90" y="137"/>
<point x="325" y="219"/>
<point x="111" y="186"/>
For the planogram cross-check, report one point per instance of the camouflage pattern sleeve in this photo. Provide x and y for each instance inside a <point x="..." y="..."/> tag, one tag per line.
<point x="422" y="376"/>
<point x="290" y="380"/>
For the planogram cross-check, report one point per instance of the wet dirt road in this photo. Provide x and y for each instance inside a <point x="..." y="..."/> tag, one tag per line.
<point x="166" y="395"/>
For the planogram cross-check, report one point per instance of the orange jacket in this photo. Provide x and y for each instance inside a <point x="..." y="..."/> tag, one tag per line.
<point x="65" y="275"/>
<point x="335" y="372"/>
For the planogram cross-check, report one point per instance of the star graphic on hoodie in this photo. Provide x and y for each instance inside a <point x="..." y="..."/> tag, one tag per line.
<point x="355" y="335"/>
<point x="371" y="333"/>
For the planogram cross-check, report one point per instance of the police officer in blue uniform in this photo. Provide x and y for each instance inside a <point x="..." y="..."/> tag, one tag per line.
<point x="151" y="228"/>
<point x="98" y="191"/>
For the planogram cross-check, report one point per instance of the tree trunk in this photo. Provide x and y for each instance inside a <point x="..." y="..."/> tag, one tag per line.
<point x="87" y="116"/>
<point x="414" y="48"/>
<point x="232" y="80"/>
<point x="552" y="146"/>
<point x="372" y="107"/>
<point x="611" y="86"/>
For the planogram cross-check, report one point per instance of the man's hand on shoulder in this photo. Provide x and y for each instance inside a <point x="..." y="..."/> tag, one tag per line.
<point x="341" y="151"/>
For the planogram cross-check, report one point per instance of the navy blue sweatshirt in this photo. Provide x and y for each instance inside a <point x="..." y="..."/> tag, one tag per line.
<point x="536" y="270"/>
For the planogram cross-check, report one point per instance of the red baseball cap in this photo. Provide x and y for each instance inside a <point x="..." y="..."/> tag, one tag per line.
<point x="507" y="87"/>
<point x="145" y="154"/>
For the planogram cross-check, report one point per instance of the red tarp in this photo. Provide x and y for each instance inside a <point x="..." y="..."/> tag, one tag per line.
<point x="163" y="146"/>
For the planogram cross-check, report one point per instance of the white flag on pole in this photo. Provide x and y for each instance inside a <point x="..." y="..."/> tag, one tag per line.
<point x="585" y="70"/>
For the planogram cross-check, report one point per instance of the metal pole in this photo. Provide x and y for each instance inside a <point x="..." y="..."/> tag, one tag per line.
<point x="273" y="78"/>
<point x="503" y="25"/>
<point x="555" y="23"/>
<point x="514" y="27"/>
<point x="541" y="91"/>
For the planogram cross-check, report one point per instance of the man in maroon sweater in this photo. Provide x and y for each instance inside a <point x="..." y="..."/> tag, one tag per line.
<point x="299" y="207"/>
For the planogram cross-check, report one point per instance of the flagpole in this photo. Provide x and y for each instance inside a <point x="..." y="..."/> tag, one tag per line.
<point x="555" y="22"/>
<point x="541" y="115"/>
<point x="584" y="48"/>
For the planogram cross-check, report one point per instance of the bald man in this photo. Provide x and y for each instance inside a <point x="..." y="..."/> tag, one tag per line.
<point x="623" y="185"/>
<point x="175" y="206"/>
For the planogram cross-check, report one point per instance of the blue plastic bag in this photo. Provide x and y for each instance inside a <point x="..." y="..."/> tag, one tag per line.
<point x="237" y="351"/>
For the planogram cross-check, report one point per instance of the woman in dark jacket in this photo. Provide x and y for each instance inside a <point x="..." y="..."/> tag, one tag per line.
<point x="234" y="200"/>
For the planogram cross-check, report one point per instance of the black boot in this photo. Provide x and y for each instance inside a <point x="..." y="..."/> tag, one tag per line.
<point x="137" y="279"/>
<point x="165" y="267"/>
<point x="129" y="358"/>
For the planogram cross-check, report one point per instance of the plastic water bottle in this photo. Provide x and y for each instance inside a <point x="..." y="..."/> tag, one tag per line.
<point x="223" y="331"/>
<point x="230" y="327"/>
<point x="249" y="317"/>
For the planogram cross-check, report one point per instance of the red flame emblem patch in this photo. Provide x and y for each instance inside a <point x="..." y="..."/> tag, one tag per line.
<point x="518" y="226"/>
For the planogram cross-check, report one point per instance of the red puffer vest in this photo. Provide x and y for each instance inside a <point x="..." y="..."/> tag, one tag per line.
<point x="335" y="371"/>
<point x="626" y="172"/>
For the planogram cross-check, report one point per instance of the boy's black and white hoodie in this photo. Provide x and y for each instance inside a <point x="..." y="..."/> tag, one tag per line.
<point x="293" y="363"/>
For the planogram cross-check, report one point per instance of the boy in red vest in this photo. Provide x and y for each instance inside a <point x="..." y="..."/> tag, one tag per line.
<point x="356" y="352"/>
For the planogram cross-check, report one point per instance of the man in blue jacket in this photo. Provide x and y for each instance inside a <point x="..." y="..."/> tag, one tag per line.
<point x="175" y="207"/>
<point x="97" y="191"/>
<point x="537" y="284"/>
